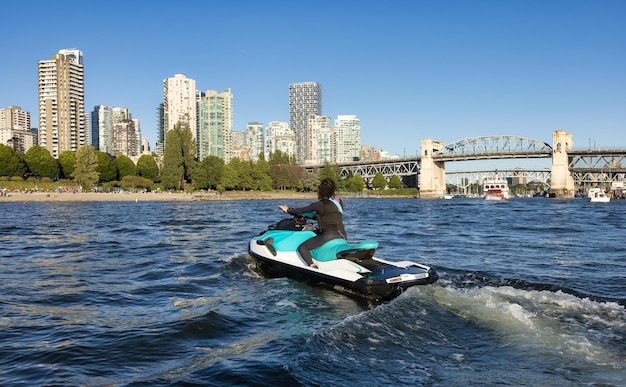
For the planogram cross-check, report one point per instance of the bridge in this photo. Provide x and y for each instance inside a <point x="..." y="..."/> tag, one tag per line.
<point x="571" y="168"/>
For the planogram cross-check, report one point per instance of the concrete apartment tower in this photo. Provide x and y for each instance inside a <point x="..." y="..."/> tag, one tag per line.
<point x="62" y="124"/>
<point x="103" y="119"/>
<point x="215" y="124"/>
<point x="347" y="139"/>
<point x="255" y="139"/>
<point x="278" y="136"/>
<point x="179" y="104"/>
<point x="319" y="140"/>
<point x="15" y="129"/>
<point x="304" y="98"/>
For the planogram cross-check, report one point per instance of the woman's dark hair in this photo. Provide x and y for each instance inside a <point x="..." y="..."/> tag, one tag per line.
<point x="326" y="189"/>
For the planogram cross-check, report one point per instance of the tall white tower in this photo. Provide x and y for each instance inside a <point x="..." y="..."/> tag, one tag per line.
<point x="319" y="144"/>
<point x="346" y="138"/>
<point x="179" y="103"/>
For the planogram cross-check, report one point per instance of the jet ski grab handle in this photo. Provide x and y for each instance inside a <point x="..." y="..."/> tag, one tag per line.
<point x="306" y="215"/>
<point x="296" y="223"/>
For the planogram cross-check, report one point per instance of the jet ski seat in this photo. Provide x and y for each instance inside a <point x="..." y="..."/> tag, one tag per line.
<point x="339" y="247"/>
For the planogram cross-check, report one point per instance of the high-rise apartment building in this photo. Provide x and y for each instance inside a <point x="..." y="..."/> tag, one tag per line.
<point x="61" y="94"/>
<point x="15" y="129"/>
<point x="159" y="146"/>
<point x="319" y="140"/>
<point x="239" y="138"/>
<point x="114" y="131"/>
<point x="279" y="137"/>
<point x="126" y="138"/>
<point x="304" y="98"/>
<point x="179" y="104"/>
<point x="255" y="139"/>
<point x="215" y="124"/>
<point x="346" y="138"/>
<point x="14" y="117"/>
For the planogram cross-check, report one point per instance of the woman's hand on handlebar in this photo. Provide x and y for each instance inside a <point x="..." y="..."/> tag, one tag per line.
<point x="284" y="208"/>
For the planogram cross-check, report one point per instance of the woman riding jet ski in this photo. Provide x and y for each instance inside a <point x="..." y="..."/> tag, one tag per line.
<point x="296" y="249"/>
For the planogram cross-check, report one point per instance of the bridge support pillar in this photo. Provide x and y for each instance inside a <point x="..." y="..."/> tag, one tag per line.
<point x="561" y="179"/>
<point x="432" y="174"/>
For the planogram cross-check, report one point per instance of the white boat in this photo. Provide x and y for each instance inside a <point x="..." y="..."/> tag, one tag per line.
<point x="598" y="195"/>
<point x="447" y="196"/>
<point x="496" y="188"/>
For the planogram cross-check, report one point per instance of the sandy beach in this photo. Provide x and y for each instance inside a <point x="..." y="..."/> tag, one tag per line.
<point x="148" y="196"/>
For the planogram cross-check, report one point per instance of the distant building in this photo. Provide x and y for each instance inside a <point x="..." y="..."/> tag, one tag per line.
<point x="179" y="104"/>
<point x="114" y="131"/>
<point x="215" y="124"/>
<point x="61" y="97"/>
<point x="369" y="153"/>
<point x="239" y="138"/>
<point x="15" y="130"/>
<point x="279" y="137"/>
<point x="384" y="155"/>
<point x="319" y="140"/>
<point x="255" y="139"/>
<point x="159" y="146"/>
<point x="242" y="152"/>
<point x="347" y="139"/>
<point x="125" y="139"/>
<point x="145" y="146"/>
<point x="304" y="98"/>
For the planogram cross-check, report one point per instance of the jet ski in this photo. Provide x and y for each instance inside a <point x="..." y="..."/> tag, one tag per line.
<point x="340" y="265"/>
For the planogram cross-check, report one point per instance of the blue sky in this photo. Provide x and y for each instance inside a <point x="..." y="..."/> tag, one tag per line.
<point x="445" y="70"/>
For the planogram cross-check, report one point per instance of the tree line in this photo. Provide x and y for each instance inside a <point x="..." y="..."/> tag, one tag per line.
<point x="178" y="170"/>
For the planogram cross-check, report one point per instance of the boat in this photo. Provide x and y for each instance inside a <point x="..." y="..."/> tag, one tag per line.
<point x="496" y="188"/>
<point x="342" y="266"/>
<point x="448" y="196"/>
<point x="598" y="195"/>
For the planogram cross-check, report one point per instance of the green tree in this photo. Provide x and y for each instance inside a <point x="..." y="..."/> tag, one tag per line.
<point x="67" y="161"/>
<point x="280" y="179"/>
<point x="310" y="181"/>
<point x="86" y="172"/>
<point x="395" y="182"/>
<point x="208" y="173"/>
<point x="147" y="167"/>
<point x="131" y="182"/>
<point x="41" y="163"/>
<point x="200" y="176"/>
<point x="125" y="166"/>
<point x="215" y="169"/>
<point x="10" y="163"/>
<point x="379" y="181"/>
<point x="286" y="176"/>
<point x="179" y="157"/>
<point x="106" y="169"/>
<point x="333" y="172"/>
<point x="279" y="157"/>
<point x="229" y="178"/>
<point x="261" y="175"/>
<point x="243" y="174"/>
<point x="355" y="184"/>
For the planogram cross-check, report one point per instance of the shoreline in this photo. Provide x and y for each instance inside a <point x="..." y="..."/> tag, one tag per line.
<point x="19" y="197"/>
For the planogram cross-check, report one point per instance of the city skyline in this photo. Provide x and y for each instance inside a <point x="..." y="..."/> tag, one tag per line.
<point x="408" y="70"/>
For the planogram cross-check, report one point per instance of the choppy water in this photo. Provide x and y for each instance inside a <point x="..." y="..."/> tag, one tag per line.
<point x="532" y="292"/>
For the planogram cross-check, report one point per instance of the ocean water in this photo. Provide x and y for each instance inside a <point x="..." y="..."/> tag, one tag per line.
<point x="531" y="292"/>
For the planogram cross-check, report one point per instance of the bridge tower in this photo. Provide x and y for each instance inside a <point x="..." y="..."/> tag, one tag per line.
<point x="561" y="179"/>
<point x="432" y="174"/>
